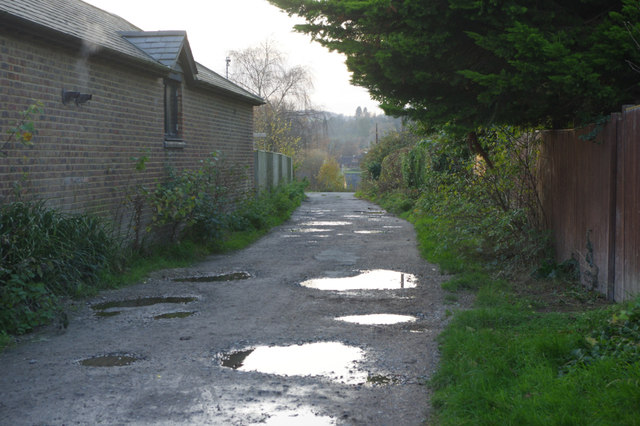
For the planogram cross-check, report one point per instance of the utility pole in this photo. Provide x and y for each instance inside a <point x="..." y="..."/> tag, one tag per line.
<point x="228" y="62"/>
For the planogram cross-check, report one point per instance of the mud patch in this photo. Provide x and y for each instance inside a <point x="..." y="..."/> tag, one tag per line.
<point x="174" y="315"/>
<point x="333" y="360"/>
<point x="110" y="360"/>
<point x="381" y="380"/>
<point x="378" y="279"/>
<point x="377" y="319"/>
<point x="234" y="276"/>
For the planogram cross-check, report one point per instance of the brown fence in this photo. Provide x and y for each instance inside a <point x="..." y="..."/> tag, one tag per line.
<point x="591" y="199"/>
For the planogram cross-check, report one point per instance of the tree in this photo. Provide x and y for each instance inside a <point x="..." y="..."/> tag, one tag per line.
<point x="473" y="63"/>
<point x="263" y="70"/>
<point x="329" y="177"/>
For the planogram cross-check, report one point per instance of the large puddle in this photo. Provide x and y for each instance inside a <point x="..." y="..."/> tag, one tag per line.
<point x="332" y="360"/>
<point x="377" y="319"/>
<point x="377" y="279"/>
<point x="105" y="309"/>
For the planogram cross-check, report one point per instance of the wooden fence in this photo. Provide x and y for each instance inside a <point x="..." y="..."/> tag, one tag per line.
<point x="590" y="192"/>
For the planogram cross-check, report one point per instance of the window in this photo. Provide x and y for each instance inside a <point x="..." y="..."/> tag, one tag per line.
<point x="171" y="109"/>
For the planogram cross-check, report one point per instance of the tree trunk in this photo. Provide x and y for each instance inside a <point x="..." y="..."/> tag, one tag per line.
<point x="475" y="147"/>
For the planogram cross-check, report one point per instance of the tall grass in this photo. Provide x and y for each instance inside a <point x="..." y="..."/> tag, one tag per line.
<point x="45" y="255"/>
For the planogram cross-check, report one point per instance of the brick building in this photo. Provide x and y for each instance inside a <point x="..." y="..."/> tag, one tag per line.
<point x="148" y="97"/>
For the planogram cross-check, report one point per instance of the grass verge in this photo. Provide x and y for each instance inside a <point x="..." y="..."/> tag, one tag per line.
<point x="534" y="352"/>
<point x="523" y="357"/>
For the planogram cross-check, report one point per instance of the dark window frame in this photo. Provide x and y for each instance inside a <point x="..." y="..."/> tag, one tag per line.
<point x="172" y="125"/>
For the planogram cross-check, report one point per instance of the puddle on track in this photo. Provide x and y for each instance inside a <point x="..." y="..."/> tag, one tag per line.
<point x="377" y="319"/>
<point x="174" y="315"/>
<point x="103" y="309"/>
<point x="111" y="360"/>
<point x="333" y="360"/>
<point x="297" y="418"/>
<point x="326" y="223"/>
<point x="368" y="232"/>
<point x="378" y="279"/>
<point x="234" y="276"/>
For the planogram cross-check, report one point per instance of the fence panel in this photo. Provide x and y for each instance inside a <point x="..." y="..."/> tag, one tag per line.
<point x="592" y="205"/>
<point x="576" y="192"/>
<point x="271" y="169"/>
<point x="627" y="247"/>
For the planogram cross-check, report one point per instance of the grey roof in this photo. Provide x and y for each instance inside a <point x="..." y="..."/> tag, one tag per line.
<point x="99" y="30"/>
<point x="77" y="19"/>
<point x="214" y="79"/>
<point x="163" y="46"/>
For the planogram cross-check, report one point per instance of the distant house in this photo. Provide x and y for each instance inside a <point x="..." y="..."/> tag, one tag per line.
<point x="111" y="92"/>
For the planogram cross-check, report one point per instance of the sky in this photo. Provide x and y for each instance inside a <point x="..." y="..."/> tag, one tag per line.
<point x="216" y="27"/>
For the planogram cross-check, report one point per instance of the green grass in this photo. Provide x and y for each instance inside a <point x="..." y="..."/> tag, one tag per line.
<point x="504" y="363"/>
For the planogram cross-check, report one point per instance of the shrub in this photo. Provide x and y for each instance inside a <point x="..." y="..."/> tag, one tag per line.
<point x="329" y="177"/>
<point x="46" y="254"/>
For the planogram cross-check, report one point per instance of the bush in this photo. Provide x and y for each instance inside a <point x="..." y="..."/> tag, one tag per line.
<point x="329" y="177"/>
<point x="46" y="254"/>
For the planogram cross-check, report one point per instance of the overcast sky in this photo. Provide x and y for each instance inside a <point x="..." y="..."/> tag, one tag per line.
<point x="215" y="27"/>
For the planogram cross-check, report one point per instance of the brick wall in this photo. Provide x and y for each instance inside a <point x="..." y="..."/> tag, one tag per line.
<point x="81" y="157"/>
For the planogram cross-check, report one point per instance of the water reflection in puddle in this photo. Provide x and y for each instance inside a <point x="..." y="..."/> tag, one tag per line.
<point x="326" y="223"/>
<point x="378" y="279"/>
<point x="111" y="360"/>
<point x="297" y="418"/>
<point x="234" y="276"/>
<point x="367" y="232"/>
<point x="377" y="319"/>
<point x="309" y="230"/>
<point x="333" y="360"/>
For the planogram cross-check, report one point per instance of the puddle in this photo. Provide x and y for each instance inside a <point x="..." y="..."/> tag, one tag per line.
<point x="379" y="279"/>
<point x="333" y="360"/>
<point x="107" y="313"/>
<point x="377" y="319"/>
<point x="235" y="360"/>
<point x="326" y="223"/>
<point x="297" y="418"/>
<point x="143" y="301"/>
<point x="367" y="232"/>
<point x="103" y="309"/>
<point x="309" y="230"/>
<point x="111" y="360"/>
<point x="174" y="315"/>
<point x="234" y="276"/>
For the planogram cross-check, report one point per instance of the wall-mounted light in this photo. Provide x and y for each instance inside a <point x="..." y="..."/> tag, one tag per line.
<point x="79" y="98"/>
<point x="83" y="98"/>
<point x="68" y="95"/>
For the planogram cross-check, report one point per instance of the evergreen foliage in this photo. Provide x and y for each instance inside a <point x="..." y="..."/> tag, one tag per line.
<point x="472" y="63"/>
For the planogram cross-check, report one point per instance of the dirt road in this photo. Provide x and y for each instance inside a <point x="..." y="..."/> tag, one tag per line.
<point x="244" y="341"/>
